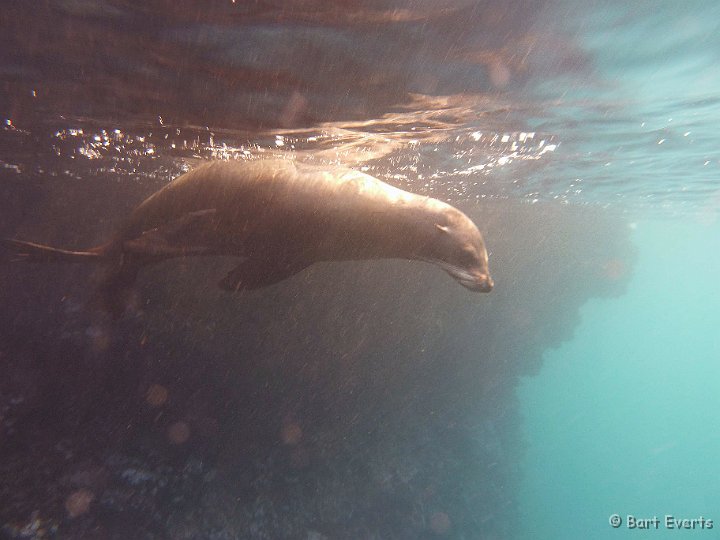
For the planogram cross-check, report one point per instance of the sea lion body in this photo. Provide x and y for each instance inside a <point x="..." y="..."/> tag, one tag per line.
<point x="281" y="217"/>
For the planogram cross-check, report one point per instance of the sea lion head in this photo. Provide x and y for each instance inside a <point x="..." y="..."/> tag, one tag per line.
<point x="460" y="250"/>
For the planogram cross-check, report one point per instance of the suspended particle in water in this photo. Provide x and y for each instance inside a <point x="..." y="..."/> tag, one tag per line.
<point x="178" y="433"/>
<point x="293" y="110"/>
<point x="99" y="338"/>
<point x="614" y="269"/>
<point x="291" y="433"/>
<point x="499" y="74"/>
<point x="78" y="502"/>
<point x="156" y="395"/>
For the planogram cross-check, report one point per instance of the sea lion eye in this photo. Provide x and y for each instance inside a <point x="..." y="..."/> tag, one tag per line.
<point x="468" y="253"/>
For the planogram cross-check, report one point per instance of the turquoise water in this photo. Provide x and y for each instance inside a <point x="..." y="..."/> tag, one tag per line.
<point x="622" y="418"/>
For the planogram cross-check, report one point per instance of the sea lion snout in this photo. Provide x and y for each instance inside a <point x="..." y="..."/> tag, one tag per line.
<point x="486" y="284"/>
<point x="479" y="283"/>
<point x="477" y="280"/>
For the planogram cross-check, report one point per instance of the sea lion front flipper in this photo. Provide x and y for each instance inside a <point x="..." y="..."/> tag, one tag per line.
<point x="255" y="273"/>
<point x="173" y="239"/>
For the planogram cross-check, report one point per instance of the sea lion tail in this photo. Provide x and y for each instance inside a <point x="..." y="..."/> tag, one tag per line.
<point x="39" y="253"/>
<point x="117" y="275"/>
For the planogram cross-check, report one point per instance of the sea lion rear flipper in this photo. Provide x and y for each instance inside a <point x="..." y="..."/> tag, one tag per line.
<point x="32" y="252"/>
<point x="255" y="273"/>
<point x="173" y="239"/>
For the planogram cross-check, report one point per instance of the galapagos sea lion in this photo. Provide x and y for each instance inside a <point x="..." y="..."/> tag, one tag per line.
<point x="280" y="217"/>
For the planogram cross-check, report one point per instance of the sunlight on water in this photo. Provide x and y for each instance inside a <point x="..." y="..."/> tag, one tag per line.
<point x="435" y="152"/>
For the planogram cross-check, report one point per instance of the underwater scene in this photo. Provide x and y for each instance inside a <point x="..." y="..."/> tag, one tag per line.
<point x="359" y="269"/>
